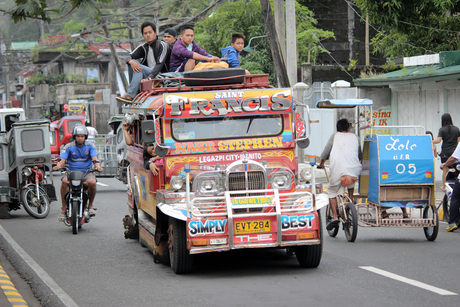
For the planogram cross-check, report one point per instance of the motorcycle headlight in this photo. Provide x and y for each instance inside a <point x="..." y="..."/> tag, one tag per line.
<point x="305" y="175"/>
<point x="176" y="183"/>
<point x="27" y="171"/>
<point x="75" y="183"/>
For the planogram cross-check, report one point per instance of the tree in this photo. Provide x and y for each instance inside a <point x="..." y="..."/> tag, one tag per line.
<point x="214" y="33"/>
<point x="408" y="28"/>
<point x="39" y="9"/>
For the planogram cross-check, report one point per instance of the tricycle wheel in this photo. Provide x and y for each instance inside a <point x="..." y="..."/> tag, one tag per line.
<point x="350" y="225"/>
<point x="37" y="207"/>
<point x="431" y="232"/>
<point x="309" y="256"/>
<point x="335" y="230"/>
<point x="446" y="208"/>
<point x="179" y="255"/>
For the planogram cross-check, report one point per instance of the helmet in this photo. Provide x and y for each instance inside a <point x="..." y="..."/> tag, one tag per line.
<point x="80" y="129"/>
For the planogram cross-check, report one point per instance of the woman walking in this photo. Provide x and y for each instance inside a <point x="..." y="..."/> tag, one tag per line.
<point x="450" y="136"/>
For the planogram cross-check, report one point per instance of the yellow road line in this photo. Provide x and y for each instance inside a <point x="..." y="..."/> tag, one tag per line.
<point x="10" y="291"/>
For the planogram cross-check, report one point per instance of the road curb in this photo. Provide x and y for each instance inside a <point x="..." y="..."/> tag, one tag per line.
<point x="39" y="287"/>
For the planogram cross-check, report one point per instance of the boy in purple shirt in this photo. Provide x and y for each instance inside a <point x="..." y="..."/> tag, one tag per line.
<point x="185" y="52"/>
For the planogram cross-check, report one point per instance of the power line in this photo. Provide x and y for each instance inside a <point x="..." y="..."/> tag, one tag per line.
<point x="387" y="36"/>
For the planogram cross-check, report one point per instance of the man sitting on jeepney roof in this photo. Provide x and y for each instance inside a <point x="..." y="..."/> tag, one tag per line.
<point x="154" y="54"/>
<point x="344" y="152"/>
<point x="186" y="52"/>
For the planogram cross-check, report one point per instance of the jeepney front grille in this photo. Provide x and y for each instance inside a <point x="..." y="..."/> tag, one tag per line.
<point x="237" y="182"/>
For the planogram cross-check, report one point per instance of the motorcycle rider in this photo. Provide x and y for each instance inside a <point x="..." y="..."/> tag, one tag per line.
<point x="80" y="156"/>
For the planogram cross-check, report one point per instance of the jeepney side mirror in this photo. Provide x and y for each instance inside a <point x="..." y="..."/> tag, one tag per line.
<point x="161" y="150"/>
<point x="303" y="143"/>
<point x="148" y="131"/>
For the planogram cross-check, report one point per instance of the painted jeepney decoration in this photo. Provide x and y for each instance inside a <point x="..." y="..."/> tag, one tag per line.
<point x="229" y="177"/>
<point x="399" y="160"/>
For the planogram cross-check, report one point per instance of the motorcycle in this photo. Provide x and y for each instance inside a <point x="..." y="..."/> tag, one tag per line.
<point x="76" y="199"/>
<point x="25" y="175"/>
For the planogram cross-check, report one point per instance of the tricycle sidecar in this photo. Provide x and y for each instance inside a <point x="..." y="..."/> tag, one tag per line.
<point x="26" y="174"/>
<point x="397" y="183"/>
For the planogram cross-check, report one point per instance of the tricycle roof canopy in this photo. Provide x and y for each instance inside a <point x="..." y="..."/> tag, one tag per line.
<point x="343" y="103"/>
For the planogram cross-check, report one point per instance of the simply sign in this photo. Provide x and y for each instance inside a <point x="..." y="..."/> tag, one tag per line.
<point x="228" y="103"/>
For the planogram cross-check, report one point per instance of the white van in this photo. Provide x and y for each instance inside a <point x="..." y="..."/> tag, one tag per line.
<point x="9" y="116"/>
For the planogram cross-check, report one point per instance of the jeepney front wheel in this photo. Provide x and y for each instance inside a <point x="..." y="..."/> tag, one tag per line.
<point x="309" y="256"/>
<point x="430" y="212"/>
<point x="179" y="255"/>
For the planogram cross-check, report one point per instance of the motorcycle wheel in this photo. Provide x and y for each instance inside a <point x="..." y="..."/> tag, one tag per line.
<point x="74" y="217"/>
<point x="35" y="207"/>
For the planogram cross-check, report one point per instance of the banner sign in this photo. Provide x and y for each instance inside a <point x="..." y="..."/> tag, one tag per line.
<point x="228" y="103"/>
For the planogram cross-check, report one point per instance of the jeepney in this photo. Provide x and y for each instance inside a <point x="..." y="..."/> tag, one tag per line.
<point x="229" y="178"/>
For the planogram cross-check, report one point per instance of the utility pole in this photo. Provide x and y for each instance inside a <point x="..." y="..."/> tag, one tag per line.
<point x="278" y="7"/>
<point x="280" y="67"/>
<point x="115" y="56"/>
<point x="291" y="50"/>
<point x="367" y="39"/>
<point x="155" y="15"/>
<point x="4" y="69"/>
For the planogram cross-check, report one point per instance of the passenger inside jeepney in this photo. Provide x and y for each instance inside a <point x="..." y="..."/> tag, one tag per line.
<point x="151" y="159"/>
<point x="128" y="133"/>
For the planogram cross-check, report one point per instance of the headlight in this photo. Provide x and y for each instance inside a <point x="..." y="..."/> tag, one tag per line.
<point x="208" y="184"/>
<point x="282" y="179"/>
<point x="76" y="183"/>
<point x="176" y="183"/>
<point x="305" y="175"/>
<point x="27" y="171"/>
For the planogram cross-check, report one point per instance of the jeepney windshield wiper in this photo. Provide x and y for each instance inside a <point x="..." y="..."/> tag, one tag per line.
<point x="249" y="125"/>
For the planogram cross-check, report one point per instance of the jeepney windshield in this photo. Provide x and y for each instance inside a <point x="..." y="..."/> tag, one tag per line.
<point x="226" y="127"/>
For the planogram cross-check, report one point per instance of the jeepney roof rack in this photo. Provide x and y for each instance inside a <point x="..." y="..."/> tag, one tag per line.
<point x="250" y="81"/>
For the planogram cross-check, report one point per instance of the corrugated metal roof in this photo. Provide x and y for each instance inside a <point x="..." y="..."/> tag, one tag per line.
<point x="414" y="73"/>
<point x="23" y="45"/>
<point x="447" y="69"/>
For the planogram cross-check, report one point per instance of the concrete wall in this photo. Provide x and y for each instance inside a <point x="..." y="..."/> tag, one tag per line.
<point x="68" y="91"/>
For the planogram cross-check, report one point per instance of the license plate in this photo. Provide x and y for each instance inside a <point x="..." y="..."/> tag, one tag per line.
<point x="242" y="227"/>
<point x="218" y="241"/>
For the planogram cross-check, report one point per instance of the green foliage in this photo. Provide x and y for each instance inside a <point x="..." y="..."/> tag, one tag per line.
<point x="245" y="17"/>
<point x="92" y="80"/>
<point x="76" y="78"/>
<point x="414" y="27"/>
<point x="72" y="27"/>
<point x="40" y="78"/>
<point x="39" y="9"/>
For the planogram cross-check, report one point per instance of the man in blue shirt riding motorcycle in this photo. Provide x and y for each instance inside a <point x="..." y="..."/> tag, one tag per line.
<point x="80" y="157"/>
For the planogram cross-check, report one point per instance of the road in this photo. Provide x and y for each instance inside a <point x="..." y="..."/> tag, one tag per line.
<point x="98" y="267"/>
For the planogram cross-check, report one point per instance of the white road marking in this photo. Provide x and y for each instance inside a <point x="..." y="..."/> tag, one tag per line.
<point x="409" y="281"/>
<point x="60" y="293"/>
<point x="102" y="184"/>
